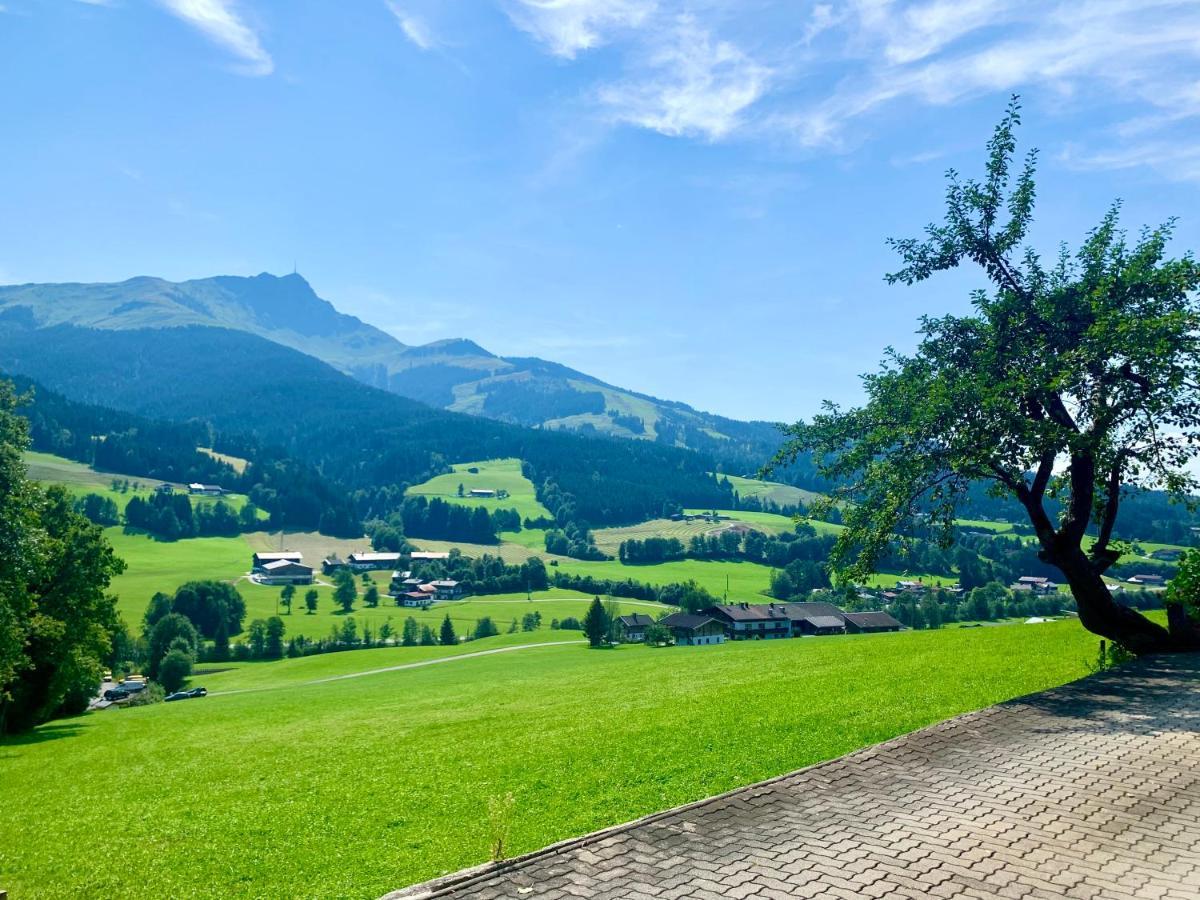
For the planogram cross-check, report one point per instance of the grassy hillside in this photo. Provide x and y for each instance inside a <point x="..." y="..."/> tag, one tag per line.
<point x="783" y="494"/>
<point x="81" y="479"/>
<point x="492" y="474"/>
<point x="351" y="788"/>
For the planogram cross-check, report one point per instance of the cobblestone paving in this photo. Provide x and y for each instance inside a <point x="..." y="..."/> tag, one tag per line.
<point x="1088" y="791"/>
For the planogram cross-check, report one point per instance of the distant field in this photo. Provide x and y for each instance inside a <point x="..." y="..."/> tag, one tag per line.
<point x="783" y="494"/>
<point x="493" y="474"/>
<point x="747" y="581"/>
<point x="355" y="787"/>
<point x="236" y="462"/>
<point x="609" y="540"/>
<point x="80" y="479"/>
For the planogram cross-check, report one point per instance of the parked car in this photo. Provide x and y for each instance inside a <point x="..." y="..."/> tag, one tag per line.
<point x="179" y="695"/>
<point x="131" y="687"/>
<point x="198" y="692"/>
<point x="112" y="695"/>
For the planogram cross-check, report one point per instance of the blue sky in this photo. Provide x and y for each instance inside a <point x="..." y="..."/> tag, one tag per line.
<point x="686" y="198"/>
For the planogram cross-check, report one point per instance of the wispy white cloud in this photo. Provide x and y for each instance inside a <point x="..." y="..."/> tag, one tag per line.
<point x="414" y="27"/>
<point x="221" y="23"/>
<point x="816" y="75"/>
<point x="689" y="83"/>
<point x="568" y="26"/>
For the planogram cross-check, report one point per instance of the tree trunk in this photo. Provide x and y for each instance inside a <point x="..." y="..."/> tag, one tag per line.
<point x="1100" y="614"/>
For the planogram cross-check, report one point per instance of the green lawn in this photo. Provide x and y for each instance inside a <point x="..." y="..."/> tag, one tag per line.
<point x="493" y="474"/>
<point x="354" y="787"/>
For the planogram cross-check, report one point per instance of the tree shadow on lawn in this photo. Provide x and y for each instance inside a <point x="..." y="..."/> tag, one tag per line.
<point x="52" y="731"/>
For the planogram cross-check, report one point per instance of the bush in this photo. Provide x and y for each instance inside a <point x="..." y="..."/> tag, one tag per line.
<point x="153" y="693"/>
<point x="174" y="670"/>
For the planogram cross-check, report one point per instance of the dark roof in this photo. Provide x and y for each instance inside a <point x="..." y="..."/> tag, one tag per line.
<point x="687" y="620"/>
<point x="636" y="620"/>
<point x="872" y="620"/>
<point x="749" y="612"/>
<point x="808" y="610"/>
<point x="826" y="621"/>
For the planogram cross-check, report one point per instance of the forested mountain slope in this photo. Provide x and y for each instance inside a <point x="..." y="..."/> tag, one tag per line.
<point x="454" y="374"/>
<point x="257" y="395"/>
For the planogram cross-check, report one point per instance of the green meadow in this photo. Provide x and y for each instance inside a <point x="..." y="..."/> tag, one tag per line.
<point x="492" y="474"/>
<point x="773" y="491"/>
<point x="80" y="479"/>
<point x="353" y="787"/>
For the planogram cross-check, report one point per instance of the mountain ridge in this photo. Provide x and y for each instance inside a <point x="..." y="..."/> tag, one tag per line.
<point x="456" y="374"/>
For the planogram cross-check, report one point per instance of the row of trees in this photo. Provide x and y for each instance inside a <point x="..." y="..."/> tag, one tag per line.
<point x="173" y="516"/>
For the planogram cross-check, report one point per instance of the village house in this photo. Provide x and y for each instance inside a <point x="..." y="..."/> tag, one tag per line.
<point x="481" y="493"/>
<point x="752" y="621"/>
<point x="414" y="599"/>
<point x="690" y="630"/>
<point x="813" y="618"/>
<point x="1034" y="583"/>
<point x="1147" y="581"/>
<point x="417" y="555"/>
<point x="207" y="490"/>
<point x="285" y="571"/>
<point x="367" y="562"/>
<point x="446" y="589"/>
<point x="632" y="629"/>
<point x="260" y="560"/>
<point x="870" y="622"/>
<point x="164" y="489"/>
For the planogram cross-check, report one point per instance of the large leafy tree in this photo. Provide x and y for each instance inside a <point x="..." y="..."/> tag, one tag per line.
<point x="56" y="621"/>
<point x="1073" y="380"/>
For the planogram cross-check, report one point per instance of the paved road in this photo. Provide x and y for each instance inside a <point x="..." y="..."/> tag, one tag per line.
<point x="1088" y="791"/>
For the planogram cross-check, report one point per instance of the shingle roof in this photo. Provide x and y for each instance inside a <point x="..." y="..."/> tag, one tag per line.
<point x="636" y="620"/>
<point x="872" y="620"/>
<point x="749" y="612"/>
<point x="808" y="610"/>
<point x="826" y="621"/>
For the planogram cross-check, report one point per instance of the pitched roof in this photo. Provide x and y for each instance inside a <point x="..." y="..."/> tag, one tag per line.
<point x="809" y="609"/>
<point x="872" y="620"/>
<point x="689" y="621"/>
<point x="749" y="612"/>
<point x="826" y="621"/>
<point x="283" y="564"/>
<point x="636" y="620"/>
<point x="279" y="554"/>
<point x="375" y="557"/>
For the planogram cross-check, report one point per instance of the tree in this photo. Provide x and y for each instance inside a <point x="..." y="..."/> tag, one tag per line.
<point x="310" y="601"/>
<point x="411" y="633"/>
<point x="931" y="611"/>
<point x="596" y="624"/>
<point x="531" y="621"/>
<point x="286" y="596"/>
<point x="657" y="635"/>
<point x="257" y="638"/>
<point x="174" y="670"/>
<point x="207" y="602"/>
<point x="448" y="637"/>
<point x="427" y="637"/>
<point x="172" y="629"/>
<point x="371" y="596"/>
<point x="485" y="628"/>
<point x="273" y="646"/>
<point x="345" y="591"/>
<point x="1073" y="380"/>
<point x="512" y="629"/>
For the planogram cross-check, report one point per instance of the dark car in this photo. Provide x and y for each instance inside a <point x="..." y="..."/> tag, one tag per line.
<point x="198" y="692"/>
<point x="179" y="695"/>
<point x="114" y="694"/>
<point x="131" y="687"/>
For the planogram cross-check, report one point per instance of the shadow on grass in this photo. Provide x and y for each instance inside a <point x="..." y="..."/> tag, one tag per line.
<point x="50" y="732"/>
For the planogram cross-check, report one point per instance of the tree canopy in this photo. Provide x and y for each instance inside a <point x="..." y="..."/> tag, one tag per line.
<point x="1072" y="380"/>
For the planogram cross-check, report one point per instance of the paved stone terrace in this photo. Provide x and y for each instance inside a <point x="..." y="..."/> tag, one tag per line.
<point x="1091" y="790"/>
